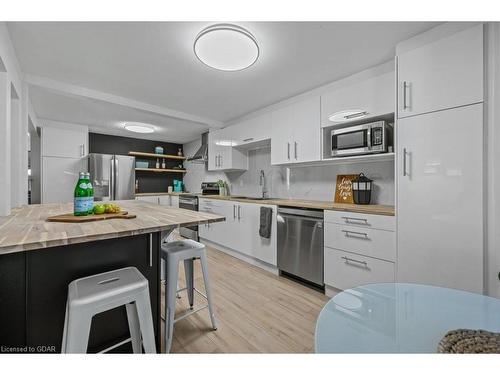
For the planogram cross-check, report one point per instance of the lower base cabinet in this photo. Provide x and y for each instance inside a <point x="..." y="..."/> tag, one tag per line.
<point x="359" y="249"/>
<point x="240" y="231"/>
<point x="345" y="270"/>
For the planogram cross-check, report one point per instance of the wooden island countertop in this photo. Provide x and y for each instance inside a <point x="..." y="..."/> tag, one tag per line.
<point x="26" y="227"/>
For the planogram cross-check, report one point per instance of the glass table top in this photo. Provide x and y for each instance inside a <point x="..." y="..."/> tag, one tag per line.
<point x="400" y="318"/>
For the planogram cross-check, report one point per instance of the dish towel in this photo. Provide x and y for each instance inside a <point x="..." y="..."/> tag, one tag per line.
<point x="266" y="217"/>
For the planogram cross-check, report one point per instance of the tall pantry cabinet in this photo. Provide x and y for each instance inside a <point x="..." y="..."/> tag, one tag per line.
<point x="64" y="155"/>
<point x="440" y="160"/>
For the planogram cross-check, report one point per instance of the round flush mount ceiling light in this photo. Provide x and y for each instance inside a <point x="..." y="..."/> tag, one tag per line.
<point x="138" y="127"/>
<point x="226" y="47"/>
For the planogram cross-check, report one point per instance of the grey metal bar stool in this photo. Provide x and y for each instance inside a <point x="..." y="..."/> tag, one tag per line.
<point x="94" y="294"/>
<point x="173" y="253"/>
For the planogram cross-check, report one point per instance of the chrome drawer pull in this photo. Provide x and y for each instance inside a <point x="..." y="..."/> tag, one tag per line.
<point x="348" y="232"/>
<point x="347" y="260"/>
<point x="350" y="219"/>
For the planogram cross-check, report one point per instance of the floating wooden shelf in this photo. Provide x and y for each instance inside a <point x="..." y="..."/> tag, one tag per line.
<point x="159" y="170"/>
<point x="151" y="155"/>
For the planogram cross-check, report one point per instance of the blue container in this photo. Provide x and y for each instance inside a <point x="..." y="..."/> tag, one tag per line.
<point x="158" y="150"/>
<point x="141" y="164"/>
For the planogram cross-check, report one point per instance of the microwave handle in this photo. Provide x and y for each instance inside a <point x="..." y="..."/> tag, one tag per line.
<point x="369" y="138"/>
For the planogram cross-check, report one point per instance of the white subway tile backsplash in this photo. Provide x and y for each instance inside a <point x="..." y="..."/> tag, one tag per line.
<point x="294" y="182"/>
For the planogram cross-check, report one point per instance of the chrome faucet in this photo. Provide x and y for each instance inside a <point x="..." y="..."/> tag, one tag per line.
<point x="263" y="183"/>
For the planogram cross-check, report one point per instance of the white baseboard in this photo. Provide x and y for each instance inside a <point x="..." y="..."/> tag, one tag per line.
<point x="330" y="291"/>
<point x="255" y="262"/>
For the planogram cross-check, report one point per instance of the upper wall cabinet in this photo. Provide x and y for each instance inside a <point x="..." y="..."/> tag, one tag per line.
<point x="65" y="142"/>
<point x="369" y="98"/>
<point x="296" y="133"/>
<point x="221" y="153"/>
<point x="444" y="74"/>
<point x="252" y="131"/>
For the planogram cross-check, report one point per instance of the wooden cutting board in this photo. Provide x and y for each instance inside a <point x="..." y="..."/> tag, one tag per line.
<point x="70" y="218"/>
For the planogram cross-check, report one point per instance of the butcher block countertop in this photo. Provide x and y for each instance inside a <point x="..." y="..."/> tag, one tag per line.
<point x="26" y="227"/>
<point x="374" y="209"/>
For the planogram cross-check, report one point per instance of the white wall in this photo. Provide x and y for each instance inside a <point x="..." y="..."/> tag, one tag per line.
<point x="13" y="128"/>
<point x="492" y="134"/>
<point x="297" y="182"/>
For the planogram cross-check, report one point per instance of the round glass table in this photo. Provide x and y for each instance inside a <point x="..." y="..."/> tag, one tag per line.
<point x="400" y="318"/>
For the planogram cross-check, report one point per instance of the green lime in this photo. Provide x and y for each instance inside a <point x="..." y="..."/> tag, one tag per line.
<point x="99" y="209"/>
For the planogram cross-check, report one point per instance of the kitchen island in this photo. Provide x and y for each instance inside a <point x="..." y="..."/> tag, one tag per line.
<point x="38" y="259"/>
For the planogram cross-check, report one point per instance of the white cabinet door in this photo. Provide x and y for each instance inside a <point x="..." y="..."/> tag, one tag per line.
<point x="264" y="249"/>
<point x="370" y="98"/>
<point x="59" y="177"/>
<point x="440" y="204"/>
<point x="252" y="130"/>
<point x="149" y="198"/>
<point x="220" y="232"/>
<point x="213" y="151"/>
<point x="282" y="135"/>
<point x="174" y="201"/>
<point x="306" y="131"/>
<point x="296" y="133"/>
<point x="444" y="74"/>
<point x="64" y="142"/>
<point x="165" y="200"/>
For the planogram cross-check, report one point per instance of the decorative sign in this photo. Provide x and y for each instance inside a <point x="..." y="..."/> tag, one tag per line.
<point x="343" y="188"/>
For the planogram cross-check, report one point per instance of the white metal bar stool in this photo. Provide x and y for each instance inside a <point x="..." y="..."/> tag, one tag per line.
<point x="173" y="253"/>
<point x="92" y="295"/>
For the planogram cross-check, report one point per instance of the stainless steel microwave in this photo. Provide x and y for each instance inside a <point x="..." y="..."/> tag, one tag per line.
<point x="361" y="139"/>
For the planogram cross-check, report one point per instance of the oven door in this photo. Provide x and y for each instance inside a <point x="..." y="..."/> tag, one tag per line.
<point x="354" y="140"/>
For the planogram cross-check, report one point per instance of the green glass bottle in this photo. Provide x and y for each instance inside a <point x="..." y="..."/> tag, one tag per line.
<point x="80" y="206"/>
<point x="90" y="195"/>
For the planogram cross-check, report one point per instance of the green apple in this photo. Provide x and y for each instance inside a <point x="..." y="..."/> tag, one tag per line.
<point x="99" y="209"/>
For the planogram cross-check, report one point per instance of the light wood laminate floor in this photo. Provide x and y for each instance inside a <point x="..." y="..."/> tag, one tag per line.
<point x="256" y="311"/>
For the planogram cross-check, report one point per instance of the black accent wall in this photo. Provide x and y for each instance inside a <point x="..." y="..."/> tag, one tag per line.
<point x="149" y="182"/>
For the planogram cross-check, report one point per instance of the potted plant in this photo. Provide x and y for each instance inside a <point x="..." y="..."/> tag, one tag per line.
<point x="222" y="187"/>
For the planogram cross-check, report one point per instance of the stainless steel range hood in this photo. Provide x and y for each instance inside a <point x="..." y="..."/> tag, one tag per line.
<point x="201" y="156"/>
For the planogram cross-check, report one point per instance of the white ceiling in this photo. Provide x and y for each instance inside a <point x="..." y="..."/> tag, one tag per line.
<point x="154" y="63"/>
<point x="109" y="118"/>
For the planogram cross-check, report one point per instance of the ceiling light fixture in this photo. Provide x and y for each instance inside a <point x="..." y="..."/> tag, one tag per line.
<point x="226" y="47"/>
<point x="139" y="127"/>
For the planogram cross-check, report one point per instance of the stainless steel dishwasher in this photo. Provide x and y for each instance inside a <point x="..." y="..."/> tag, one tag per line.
<point x="300" y="244"/>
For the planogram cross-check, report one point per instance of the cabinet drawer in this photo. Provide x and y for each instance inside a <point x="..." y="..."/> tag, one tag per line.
<point x="361" y="220"/>
<point x="370" y="242"/>
<point x="344" y="270"/>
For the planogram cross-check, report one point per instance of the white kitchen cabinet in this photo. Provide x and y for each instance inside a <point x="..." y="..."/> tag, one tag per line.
<point x="174" y="201"/>
<point x="446" y="73"/>
<point x="296" y="133"/>
<point x="64" y="142"/>
<point x="252" y="131"/>
<point x="345" y="270"/>
<point x="371" y="97"/>
<point x="240" y="231"/>
<point x="221" y="153"/>
<point x="149" y="198"/>
<point x="59" y="177"/>
<point x="359" y="249"/>
<point x="165" y="200"/>
<point x="440" y="199"/>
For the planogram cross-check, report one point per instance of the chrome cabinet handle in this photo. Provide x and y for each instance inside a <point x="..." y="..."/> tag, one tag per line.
<point x="348" y="260"/>
<point x="351" y="219"/>
<point x="239" y="212"/>
<point x="150" y="249"/>
<point x="288" y="150"/>
<point x="220" y="161"/>
<point x="82" y="150"/>
<point x="234" y="211"/>
<point x="295" y="147"/>
<point x="349" y="232"/>
<point x="355" y="115"/>
<point x="405" y="154"/>
<point x="248" y="140"/>
<point x="406" y="86"/>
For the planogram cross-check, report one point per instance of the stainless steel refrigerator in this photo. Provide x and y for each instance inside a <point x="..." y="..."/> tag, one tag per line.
<point x="112" y="176"/>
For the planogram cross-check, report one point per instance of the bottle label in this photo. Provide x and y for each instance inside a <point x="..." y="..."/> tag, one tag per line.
<point x="81" y="204"/>
<point x="83" y="185"/>
<point x="89" y="186"/>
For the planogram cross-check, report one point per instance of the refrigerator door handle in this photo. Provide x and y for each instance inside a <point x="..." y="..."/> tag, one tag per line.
<point x="115" y="187"/>
<point x="112" y="178"/>
<point x="405" y="156"/>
